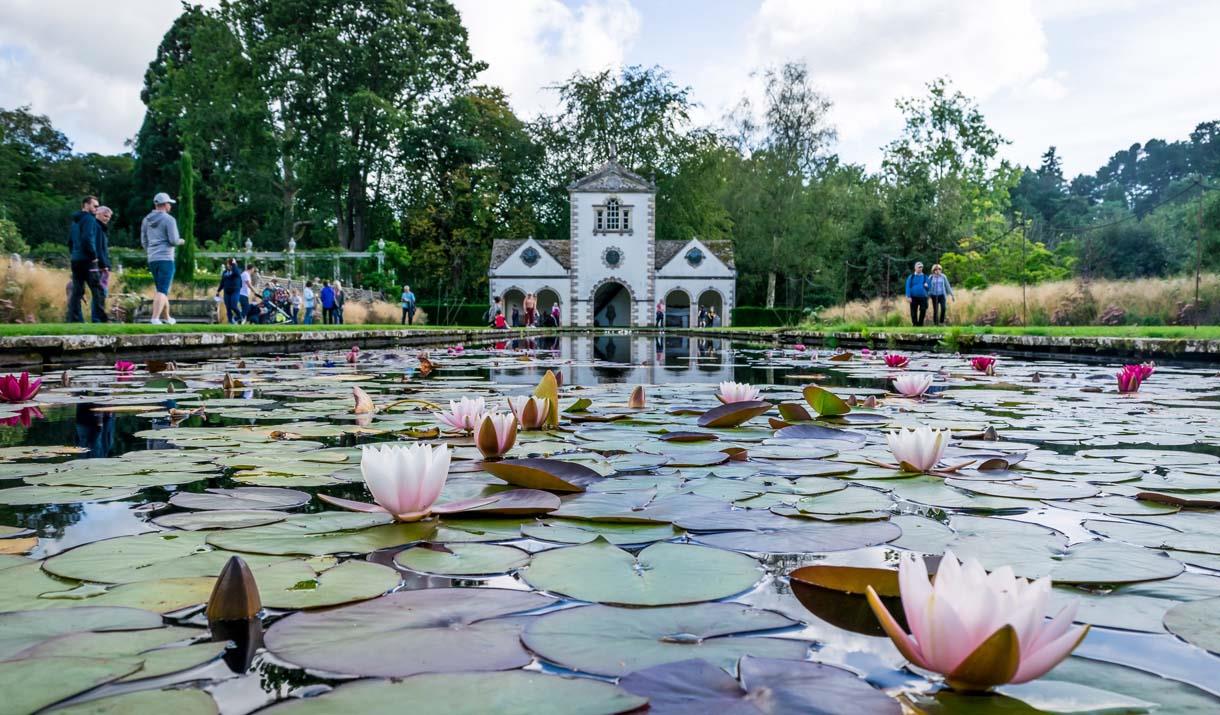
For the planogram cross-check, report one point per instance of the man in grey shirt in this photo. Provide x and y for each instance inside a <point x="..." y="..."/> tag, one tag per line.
<point x="159" y="236"/>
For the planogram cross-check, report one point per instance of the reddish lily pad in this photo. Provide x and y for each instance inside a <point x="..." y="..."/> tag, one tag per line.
<point x="554" y="475"/>
<point x="733" y="414"/>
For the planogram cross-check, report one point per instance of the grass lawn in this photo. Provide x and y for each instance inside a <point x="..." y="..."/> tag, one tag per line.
<point x="8" y="330"/>
<point x="1203" y="332"/>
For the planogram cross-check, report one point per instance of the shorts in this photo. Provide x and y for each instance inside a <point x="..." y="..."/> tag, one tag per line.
<point x="163" y="275"/>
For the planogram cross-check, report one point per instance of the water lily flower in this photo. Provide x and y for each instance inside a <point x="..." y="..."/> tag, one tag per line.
<point x="364" y="403"/>
<point x="19" y="389"/>
<point x="913" y="384"/>
<point x="496" y="435"/>
<point x="865" y="353"/>
<point x="124" y="366"/>
<point x="24" y="418"/>
<point x="979" y="630"/>
<point x="983" y="364"/>
<point x="799" y="347"/>
<point x="353" y="355"/>
<point x="1130" y="378"/>
<point x="405" y="481"/>
<point x="456" y="349"/>
<point x="531" y="412"/>
<point x="896" y="360"/>
<point x="738" y="392"/>
<point x="465" y="415"/>
<point x="919" y="449"/>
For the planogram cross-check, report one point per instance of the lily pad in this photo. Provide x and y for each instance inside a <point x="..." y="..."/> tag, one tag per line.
<point x="324" y="533"/>
<point x="605" y="640"/>
<point x="206" y="520"/>
<point x="23" y="629"/>
<point x="147" y="702"/>
<point x="571" y="531"/>
<point x="34" y="683"/>
<point x="462" y="559"/>
<point x="824" y="402"/>
<point x="511" y="693"/>
<point x="662" y="574"/>
<point x="554" y="475"/>
<point x="733" y="414"/>
<point x="247" y="498"/>
<point x="436" y="630"/>
<point x="1197" y="623"/>
<point x="763" y="686"/>
<point x="314" y="583"/>
<point x="31" y="496"/>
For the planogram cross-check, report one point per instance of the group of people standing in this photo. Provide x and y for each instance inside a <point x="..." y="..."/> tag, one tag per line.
<point x="922" y="288"/>
<point x="526" y="315"/>
<point x="247" y="300"/>
<point x="89" y="256"/>
<point x="706" y="317"/>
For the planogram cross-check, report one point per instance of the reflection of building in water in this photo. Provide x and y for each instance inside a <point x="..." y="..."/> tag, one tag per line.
<point x="612" y="271"/>
<point x="590" y="359"/>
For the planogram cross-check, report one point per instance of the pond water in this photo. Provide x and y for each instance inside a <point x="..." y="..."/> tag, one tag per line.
<point x="109" y="509"/>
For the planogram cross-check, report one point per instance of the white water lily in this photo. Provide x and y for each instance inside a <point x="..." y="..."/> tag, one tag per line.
<point x="918" y="449"/>
<point x="497" y="433"/>
<point x="913" y="384"/>
<point x="531" y="412"/>
<point x="405" y="481"/>
<point x="464" y="415"/>
<point x="738" y="392"/>
<point x="978" y="629"/>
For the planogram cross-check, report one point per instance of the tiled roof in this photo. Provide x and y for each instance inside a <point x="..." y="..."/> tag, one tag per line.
<point x="666" y="250"/>
<point x="502" y="249"/>
<point x="612" y="176"/>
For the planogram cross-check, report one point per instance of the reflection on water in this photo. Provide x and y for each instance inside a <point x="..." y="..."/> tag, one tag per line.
<point x="625" y="358"/>
<point x="94" y="430"/>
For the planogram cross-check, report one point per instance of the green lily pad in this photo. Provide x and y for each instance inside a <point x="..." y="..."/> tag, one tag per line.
<point x="24" y="629"/>
<point x="32" y="496"/>
<point x="206" y="520"/>
<point x="315" y="583"/>
<point x="662" y="574"/>
<point x="511" y="693"/>
<point x="147" y="702"/>
<point x="324" y="533"/>
<point x="245" y="498"/>
<point x="32" y="684"/>
<point x="1197" y="623"/>
<point x="824" y="402"/>
<point x="554" y="475"/>
<point x="605" y="640"/>
<point x="410" y="632"/>
<point x="462" y="559"/>
<point x="571" y="531"/>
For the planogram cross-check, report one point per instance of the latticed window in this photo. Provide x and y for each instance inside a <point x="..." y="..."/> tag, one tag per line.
<point x="599" y="221"/>
<point x="612" y="215"/>
<point x="626" y="219"/>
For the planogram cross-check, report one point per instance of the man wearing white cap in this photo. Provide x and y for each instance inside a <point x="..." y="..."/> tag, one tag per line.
<point x="159" y="236"/>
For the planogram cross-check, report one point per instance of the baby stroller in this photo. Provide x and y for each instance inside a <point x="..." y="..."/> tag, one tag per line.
<point x="280" y="304"/>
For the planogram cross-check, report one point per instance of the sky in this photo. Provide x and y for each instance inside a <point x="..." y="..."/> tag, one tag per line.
<point x="1088" y="76"/>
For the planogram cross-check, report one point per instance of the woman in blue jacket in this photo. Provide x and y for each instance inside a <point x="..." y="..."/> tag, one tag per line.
<point x="917" y="294"/>
<point x="938" y="288"/>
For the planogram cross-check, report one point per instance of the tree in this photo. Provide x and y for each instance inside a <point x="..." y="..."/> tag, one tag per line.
<point x="347" y="79"/>
<point x="186" y="217"/>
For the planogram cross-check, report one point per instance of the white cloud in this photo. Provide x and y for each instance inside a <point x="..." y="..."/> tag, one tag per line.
<point x="868" y="53"/>
<point x="82" y="63"/>
<point x="533" y="44"/>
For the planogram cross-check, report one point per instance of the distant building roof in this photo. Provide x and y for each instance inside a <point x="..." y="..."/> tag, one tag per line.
<point x="502" y="249"/>
<point x="666" y="250"/>
<point x="612" y="176"/>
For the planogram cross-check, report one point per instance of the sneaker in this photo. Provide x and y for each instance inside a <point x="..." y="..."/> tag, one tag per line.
<point x="155" y="321"/>
<point x="170" y="321"/>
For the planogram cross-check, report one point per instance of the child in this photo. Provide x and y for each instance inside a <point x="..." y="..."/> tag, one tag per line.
<point x="501" y="323"/>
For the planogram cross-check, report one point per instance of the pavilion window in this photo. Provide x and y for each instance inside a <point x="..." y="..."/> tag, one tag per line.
<point x="612" y="215"/>
<point x="599" y="220"/>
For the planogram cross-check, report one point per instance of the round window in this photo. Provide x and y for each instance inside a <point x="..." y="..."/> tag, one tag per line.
<point x="694" y="256"/>
<point x="530" y="256"/>
<point x="613" y="257"/>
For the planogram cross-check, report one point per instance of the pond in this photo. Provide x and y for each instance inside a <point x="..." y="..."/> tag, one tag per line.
<point x="123" y="493"/>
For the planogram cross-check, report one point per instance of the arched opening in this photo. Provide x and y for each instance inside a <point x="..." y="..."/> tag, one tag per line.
<point x="548" y="299"/>
<point x="514" y="310"/>
<point x="677" y="309"/>
<point x="612" y="306"/>
<point x="711" y="309"/>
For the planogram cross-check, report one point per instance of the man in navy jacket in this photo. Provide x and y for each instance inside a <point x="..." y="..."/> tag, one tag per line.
<point x="917" y="293"/>
<point x="87" y="263"/>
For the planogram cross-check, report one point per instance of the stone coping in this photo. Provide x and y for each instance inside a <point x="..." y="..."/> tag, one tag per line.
<point x="46" y="350"/>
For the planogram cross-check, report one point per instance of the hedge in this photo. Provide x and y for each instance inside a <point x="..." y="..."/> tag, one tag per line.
<point x="752" y="316"/>
<point x="454" y="313"/>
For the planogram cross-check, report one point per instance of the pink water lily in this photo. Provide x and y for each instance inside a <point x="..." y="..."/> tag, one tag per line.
<point x="896" y="360"/>
<point x="799" y="347"/>
<point x="919" y="449"/>
<point x="978" y="629"/>
<point x="353" y="355"/>
<point x="19" y="389"/>
<point x="465" y="415"/>
<point x="1130" y="378"/>
<point x="984" y="364"/>
<point x="405" y="481"/>
<point x="24" y="418"/>
<point x="124" y="366"/>
<point x="738" y="392"/>
<point x="496" y="434"/>
<point x="913" y="384"/>
<point x="456" y="349"/>
<point x="531" y="412"/>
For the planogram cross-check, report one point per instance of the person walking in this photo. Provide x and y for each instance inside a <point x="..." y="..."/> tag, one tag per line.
<point x="531" y="310"/>
<point x="938" y="288"/>
<point x="917" y="294"/>
<point x="104" y="215"/>
<point x="159" y="237"/>
<point x="297" y="304"/>
<point x="340" y="299"/>
<point x="249" y="278"/>
<point x="85" y="263"/>
<point x="702" y="317"/>
<point x="490" y="316"/>
<point x="555" y="315"/>
<point x="408" y="306"/>
<point x="660" y="314"/>
<point x="328" y="303"/>
<point x="310" y="301"/>
<point x="230" y="290"/>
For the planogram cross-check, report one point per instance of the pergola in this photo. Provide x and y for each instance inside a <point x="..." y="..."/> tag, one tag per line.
<point x="290" y="257"/>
